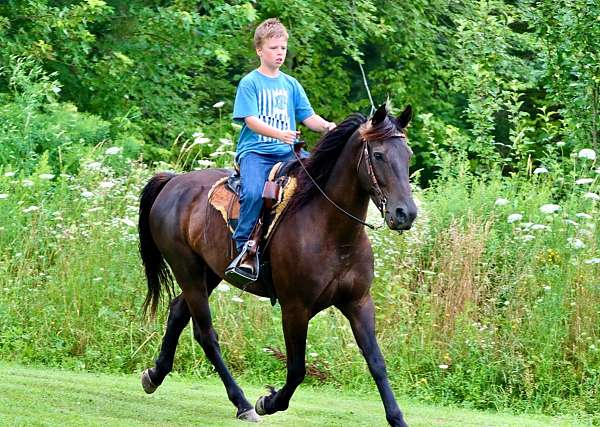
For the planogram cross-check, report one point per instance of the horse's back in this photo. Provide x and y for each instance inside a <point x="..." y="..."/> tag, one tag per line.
<point x="181" y="211"/>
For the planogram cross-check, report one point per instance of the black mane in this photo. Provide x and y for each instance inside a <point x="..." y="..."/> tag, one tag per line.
<point x="322" y="159"/>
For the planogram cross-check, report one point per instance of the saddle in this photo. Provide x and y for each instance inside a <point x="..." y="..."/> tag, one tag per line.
<point x="224" y="197"/>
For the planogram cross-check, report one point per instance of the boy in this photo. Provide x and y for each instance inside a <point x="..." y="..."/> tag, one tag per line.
<point x="268" y="102"/>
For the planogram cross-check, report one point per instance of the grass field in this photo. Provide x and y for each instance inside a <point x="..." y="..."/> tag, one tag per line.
<point x="45" y="397"/>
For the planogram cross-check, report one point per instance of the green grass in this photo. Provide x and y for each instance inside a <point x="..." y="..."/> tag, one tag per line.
<point x="36" y="397"/>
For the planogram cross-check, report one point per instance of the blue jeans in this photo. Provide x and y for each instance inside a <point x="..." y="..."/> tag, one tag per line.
<point x="254" y="171"/>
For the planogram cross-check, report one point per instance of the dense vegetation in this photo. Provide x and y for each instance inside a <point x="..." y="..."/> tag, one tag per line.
<point x="492" y="300"/>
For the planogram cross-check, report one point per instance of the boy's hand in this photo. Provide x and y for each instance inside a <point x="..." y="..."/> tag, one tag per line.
<point x="289" y="136"/>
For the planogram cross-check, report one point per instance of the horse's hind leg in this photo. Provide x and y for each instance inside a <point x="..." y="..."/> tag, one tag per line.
<point x="207" y="337"/>
<point x="197" y="281"/>
<point x="179" y="316"/>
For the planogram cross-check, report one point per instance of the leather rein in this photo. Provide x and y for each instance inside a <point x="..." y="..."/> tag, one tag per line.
<point x="381" y="200"/>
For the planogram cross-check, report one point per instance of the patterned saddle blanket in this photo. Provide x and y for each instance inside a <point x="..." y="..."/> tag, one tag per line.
<point x="224" y="196"/>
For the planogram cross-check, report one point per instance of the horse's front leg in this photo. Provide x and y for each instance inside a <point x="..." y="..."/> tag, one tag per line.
<point x="361" y="315"/>
<point x="295" y="325"/>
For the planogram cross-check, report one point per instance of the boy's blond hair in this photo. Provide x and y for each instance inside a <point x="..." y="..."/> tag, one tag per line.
<point x="271" y="28"/>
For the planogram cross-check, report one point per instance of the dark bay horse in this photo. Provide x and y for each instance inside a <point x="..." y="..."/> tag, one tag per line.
<point x="320" y="256"/>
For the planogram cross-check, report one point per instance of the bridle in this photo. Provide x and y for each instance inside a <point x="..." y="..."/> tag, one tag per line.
<point x="380" y="198"/>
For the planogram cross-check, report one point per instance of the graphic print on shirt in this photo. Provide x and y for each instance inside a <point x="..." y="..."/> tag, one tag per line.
<point x="273" y="110"/>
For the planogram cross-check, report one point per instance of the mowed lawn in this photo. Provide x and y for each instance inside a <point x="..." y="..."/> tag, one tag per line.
<point x="51" y="397"/>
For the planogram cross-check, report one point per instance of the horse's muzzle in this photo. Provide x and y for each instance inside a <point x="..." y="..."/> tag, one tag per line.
<point x="402" y="217"/>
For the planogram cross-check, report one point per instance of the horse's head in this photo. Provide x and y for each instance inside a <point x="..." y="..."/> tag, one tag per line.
<point x="383" y="168"/>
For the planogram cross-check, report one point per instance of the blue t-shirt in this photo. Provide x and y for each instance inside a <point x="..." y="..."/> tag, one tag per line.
<point x="277" y="101"/>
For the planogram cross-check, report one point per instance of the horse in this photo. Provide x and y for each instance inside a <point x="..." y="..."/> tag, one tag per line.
<point x="332" y="265"/>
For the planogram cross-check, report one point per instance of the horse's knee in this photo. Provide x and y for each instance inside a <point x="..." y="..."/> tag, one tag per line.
<point x="378" y="370"/>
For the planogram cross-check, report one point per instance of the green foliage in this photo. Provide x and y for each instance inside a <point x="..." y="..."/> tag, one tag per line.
<point x="488" y="301"/>
<point x="498" y="82"/>
<point x="488" y="310"/>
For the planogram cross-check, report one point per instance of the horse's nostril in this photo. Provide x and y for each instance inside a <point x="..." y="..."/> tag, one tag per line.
<point x="401" y="216"/>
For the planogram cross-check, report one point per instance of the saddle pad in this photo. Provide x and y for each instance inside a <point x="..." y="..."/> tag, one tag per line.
<point x="227" y="202"/>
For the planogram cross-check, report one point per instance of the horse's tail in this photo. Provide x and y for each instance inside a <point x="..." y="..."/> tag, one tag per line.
<point x="157" y="271"/>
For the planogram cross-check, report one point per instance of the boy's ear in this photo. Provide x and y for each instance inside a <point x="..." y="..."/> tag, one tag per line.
<point x="405" y="117"/>
<point x="379" y="115"/>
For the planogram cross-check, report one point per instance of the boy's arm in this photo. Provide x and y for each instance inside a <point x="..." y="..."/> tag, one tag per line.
<point x="260" y="127"/>
<point x="318" y="124"/>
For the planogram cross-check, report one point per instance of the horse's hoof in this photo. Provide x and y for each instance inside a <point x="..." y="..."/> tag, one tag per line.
<point x="260" y="406"/>
<point x="147" y="383"/>
<point x="250" y="415"/>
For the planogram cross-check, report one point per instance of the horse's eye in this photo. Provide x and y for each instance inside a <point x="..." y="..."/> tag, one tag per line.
<point x="378" y="156"/>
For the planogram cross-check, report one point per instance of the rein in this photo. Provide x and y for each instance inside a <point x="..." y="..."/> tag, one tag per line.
<point x="381" y="198"/>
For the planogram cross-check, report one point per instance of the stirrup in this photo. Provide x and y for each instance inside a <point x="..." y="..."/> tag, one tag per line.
<point x="241" y="277"/>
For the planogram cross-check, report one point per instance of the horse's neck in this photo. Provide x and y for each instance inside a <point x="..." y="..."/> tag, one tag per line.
<point x="343" y="187"/>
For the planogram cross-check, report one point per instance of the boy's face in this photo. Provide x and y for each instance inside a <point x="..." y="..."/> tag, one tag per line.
<point x="272" y="52"/>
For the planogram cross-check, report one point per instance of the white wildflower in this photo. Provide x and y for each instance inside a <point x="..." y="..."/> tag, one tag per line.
<point x="547" y="288"/>
<point x="205" y="162"/>
<point x="27" y="183"/>
<point x="539" y="227"/>
<point x="87" y="194"/>
<point x="30" y="209"/>
<point x="3" y="196"/>
<point x="501" y="202"/>
<point x="107" y="184"/>
<point x="113" y="150"/>
<point x="225" y="141"/>
<point x="571" y="222"/>
<point x="583" y="215"/>
<point x="583" y="181"/>
<point x="222" y="287"/>
<point x="201" y="140"/>
<point x="592" y="196"/>
<point x="514" y="218"/>
<point x="128" y="222"/>
<point x="538" y="171"/>
<point x="237" y="299"/>
<point x="592" y="261"/>
<point x="216" y="154"/>
<point x="93" y="166"/>
<point x="9" y="174"/>
<point x="561" y="144"/>
<point x="575" y="243"/>
<point x="549" y="208"/>
<point x="219" y="104"/>
<point x="313" y="354"/>
<point x="587" y="153"/>
<point x="96" y="279"/>
<point x="527" y="237"/>
<point x="443" y="366"/>
<point x="46" y="176"/>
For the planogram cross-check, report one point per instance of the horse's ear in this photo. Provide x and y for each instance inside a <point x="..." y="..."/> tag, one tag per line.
<point x="379" y="115"/>
<point x="404" y="118"/>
